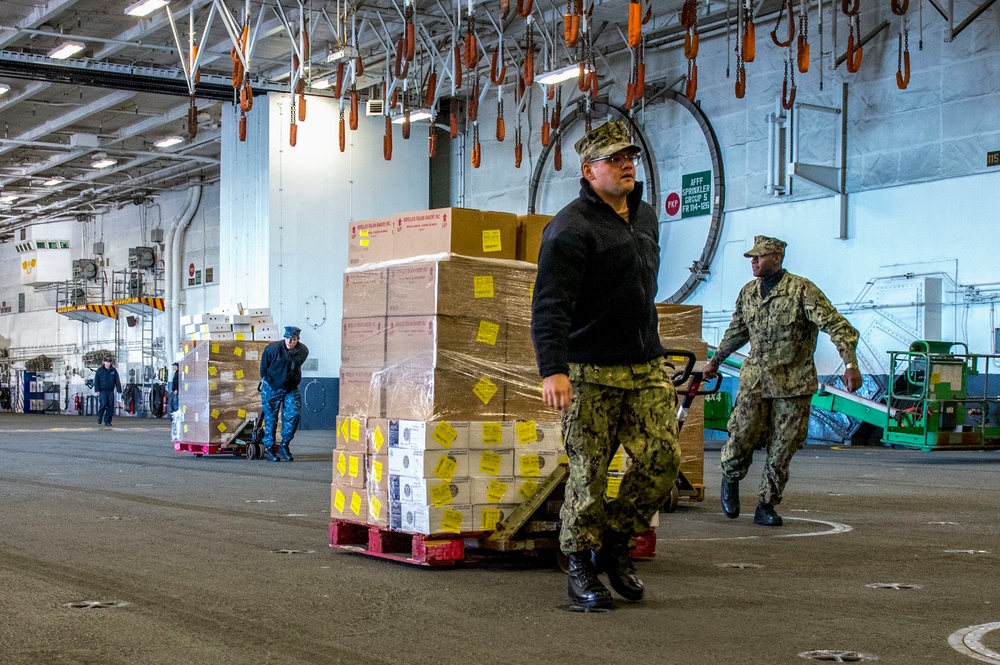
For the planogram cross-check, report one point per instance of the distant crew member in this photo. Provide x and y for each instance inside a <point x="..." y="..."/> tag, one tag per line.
<point x="280" y="375"/>
<point x="175" y="383"/>
<point x="106" y="384"/>
<point x="780" y="314"/>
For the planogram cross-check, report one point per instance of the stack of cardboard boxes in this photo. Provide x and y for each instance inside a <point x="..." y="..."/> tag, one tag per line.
<point x="231" y="324"/>
<point x="439" y="388"/>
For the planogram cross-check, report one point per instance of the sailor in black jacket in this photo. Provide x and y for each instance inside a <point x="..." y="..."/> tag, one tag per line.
<point x="280" y="374"/>
<point x="594" y="326"/>
<point x="106" y="382"/>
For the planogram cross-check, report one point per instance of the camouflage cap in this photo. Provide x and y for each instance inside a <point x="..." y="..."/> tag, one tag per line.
<point x="604" y="141"/>
<point x="765" y="245"/>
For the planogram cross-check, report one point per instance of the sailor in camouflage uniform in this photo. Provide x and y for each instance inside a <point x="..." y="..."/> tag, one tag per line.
<point x="594" y="326"/>
<point x="780" y="314"/>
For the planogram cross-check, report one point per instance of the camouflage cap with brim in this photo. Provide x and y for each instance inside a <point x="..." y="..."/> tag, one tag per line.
<point x="766" y="245"/>
<point x="603" y="141"/>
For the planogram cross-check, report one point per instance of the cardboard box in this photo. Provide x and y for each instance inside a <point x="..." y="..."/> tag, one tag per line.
<point x="221" y="336"/>
<point x="242" y="327"/>
<point x="429" y="340"/>
<point x="365" y="293"/>
<point x="692" y="435"/>
<point x="417" y="518"/>
<point x="491" y="463"/>
<point x="525" y="488"/>
<point x="241" y="336"/>
<point x="362" y="391"/>
<point x="523" y="397"/>
<point x="455" y="231"/>
<point x="348" y="503"/>
<point x="429" y="491"/>
<point x="352" y="434"/>
<point x="349" y="468"/>
<point x="494" y="490"/>
<point x="258" y="311"/>
<point x="679" y="320"/>
<point x="262" y="321"/>
<point x="240" y="319"/>
<point x="453" y="393"/>
<point x="535" y="464"/>
<point x="362" y="342"/>
<point x="377" y="471"/>
<point x="377" y="436"/>
<point x="369" y="241"/>
<point x="491" y="435"/>
<point x="378" y="506"/>
<point x="486" y="517"/>
<point x="520" y="347"/>
<point x="534" y="435"/>
<point x="458" y="286"/>
<point x="424" y="435"/>
<point x="440" y="464"/>
<point x="270" y="336"/>
<point x="529" y="236"/>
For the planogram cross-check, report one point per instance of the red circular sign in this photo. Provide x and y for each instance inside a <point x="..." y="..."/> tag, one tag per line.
<point x="191" y="270"/>
<point x="673" y="203"/>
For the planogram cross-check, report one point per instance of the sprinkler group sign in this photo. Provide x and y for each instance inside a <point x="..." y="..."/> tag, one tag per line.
<point x="696" y="194"/>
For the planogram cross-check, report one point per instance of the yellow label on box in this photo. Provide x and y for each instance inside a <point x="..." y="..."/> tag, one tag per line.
<point x="212" y="371"/>
<point x="185" y="429"/>
<point x="238" y="351"/>
<point x="496" y="490"/>
<point x="451" y="521"/>
<point x="241" y="414"/>
<point x="528" y="489"/>
<point x="186" y="369"/>
<point x="186" y="387"/>
<point x="239" y="388"/>
<point x="363" y="234"/>
<point x="342" y="464"/>
<point x="614" y="486"/>
<point x="531" y="466"/>
<point x="184" y="408"/>
<point x="339" y="501"/>
<point x="355" y="429"/>
<point x="222" y="427"/>
<point x="492" y="434"/>
<point x="445" y="468"/>
<point x="352" y="466"/>
<point x="489" y="462"/>
<point x="617" y="460"/>
<point x="375" y="507"/>
<point x="214" y="413"/>
<point x="482" y="286"/>
<point x="239" y="374"/>
<point x="526" y="432"/>
<point x="239" y="337"/>
<point x="491" y="517"/>
<point x="378" y="439"/>
<point x="344" y="428"/>
<point x="441" y="494"/>
<point x="935" y="378"/>
<point x="364" y="242"/>
<point x="491" y="240"/>
<point x="445" y="434"/>
<point x="215" y="348"/>
<point x="531" y="291"/>
<point x="484" y="390"/>
<point x="377" y="471"/>
<point x="488" y="332"/>
<point x="356" y="504"/>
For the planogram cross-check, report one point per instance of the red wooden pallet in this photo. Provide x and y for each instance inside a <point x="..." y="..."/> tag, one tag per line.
<point x="208" y="448"/>
<point x="645" y="545"/>
<point x="412" y="548"/>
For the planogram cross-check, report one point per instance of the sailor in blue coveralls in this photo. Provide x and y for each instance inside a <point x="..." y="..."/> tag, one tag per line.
<point x="280" y="374"/>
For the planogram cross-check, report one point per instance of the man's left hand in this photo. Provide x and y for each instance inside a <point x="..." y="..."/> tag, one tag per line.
<point x="852" y="378"/>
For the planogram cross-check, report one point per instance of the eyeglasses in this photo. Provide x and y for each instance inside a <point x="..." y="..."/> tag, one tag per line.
<point x="618" y="159"/>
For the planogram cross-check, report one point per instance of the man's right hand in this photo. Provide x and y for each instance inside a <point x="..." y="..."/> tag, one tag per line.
<point x="557" y="391"/>
<point x="711" y="370"/>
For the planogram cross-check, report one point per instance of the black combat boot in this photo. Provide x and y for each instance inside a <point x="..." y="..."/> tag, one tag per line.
<point x="765" y="515"/>
<point x="731" y="497"/>
<point x="614" y="560"/>
<point x="585" y="589"/>
<point x="284" y="453"/>
<point x="269" y="453"/>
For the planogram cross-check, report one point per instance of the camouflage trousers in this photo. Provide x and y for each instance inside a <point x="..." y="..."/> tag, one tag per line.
<point x="289" y="403"/>
<point x="634" y="407"/>
<point x="779" y="425"/>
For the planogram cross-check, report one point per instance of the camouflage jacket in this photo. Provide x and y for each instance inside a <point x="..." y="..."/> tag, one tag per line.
<point x="782" y="330"/>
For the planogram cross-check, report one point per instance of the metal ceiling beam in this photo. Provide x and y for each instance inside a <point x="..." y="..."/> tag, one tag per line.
<point x="144" y="28"/>
<point x="29" y="91"/>
<point x="39" y="16"/>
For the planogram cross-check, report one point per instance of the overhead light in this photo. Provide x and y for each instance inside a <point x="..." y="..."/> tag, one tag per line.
<point x="145" y="7"/>
<point x="559" y="75"/>
<point x="322" y="84"/>
<point x="4" y="88"/>
<point x="66" y="50"/>
<point x="8" y="198"/>
<point x="168" y="141"/>
<point x="103" y="162"/>
<point x="415" y="116"/>
<point x="52" y="182"/>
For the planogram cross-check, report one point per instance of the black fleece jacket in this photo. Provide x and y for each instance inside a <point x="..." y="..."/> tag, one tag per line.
<point x="593" y="301"/>
<point x="280" y="367"/>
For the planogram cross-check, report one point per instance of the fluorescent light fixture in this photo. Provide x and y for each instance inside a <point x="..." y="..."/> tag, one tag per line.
<point x="8" y="198"/>
<point x="66" y="50"/>
<point x="322" y="84"/>
<point x="559" y="75"/>
<point x="4" y="88"/>
<point x="416" y="115"/>
<point x="168" y="141"/>
<point x="52" y="182"/>
<point x="104" y="163"/>
<point x="145" y="7"/>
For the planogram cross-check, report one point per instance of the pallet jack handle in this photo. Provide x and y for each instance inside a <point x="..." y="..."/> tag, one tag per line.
<point x="678" y="378"/>
<point x="695" y="389"/>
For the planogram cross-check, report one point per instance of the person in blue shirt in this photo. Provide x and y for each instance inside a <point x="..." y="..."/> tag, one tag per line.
<point x="106" y="383"/>
<point x="280" y="375"/>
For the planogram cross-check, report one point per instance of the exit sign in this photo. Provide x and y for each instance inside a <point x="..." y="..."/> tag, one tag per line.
<point x="993" y="158"/>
